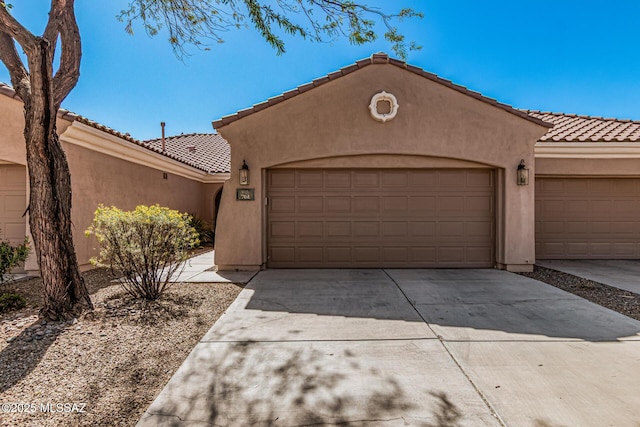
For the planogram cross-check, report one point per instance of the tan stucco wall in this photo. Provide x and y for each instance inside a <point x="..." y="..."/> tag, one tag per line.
<point x="334" y="121"/>
<point x="587" y="167"/>
<point x="12" y="147"/>
<point x="99" y="178"/>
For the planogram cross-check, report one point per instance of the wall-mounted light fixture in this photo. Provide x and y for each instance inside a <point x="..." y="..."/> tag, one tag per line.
<point x="523" y="174"/>
<point x="244" y="173"/>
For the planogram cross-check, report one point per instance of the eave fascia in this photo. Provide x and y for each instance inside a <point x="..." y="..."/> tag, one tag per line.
<point x="96" y="140"/>
<point x="217" y="178"/>
<point x="588" y="150"/>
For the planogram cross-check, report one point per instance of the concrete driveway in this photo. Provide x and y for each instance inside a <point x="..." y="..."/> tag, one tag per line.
<point x="622" y="274"/>
<point x="439" y="348"/>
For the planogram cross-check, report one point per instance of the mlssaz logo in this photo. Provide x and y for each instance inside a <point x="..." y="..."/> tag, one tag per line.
<point x="63" y="407"/>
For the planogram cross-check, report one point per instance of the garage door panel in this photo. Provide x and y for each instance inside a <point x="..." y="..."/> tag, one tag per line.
<point x="338" y="179"/>
<point x="13" y="202"/>
<point x="478" y="254"/>
<point x="377" y="218"/>
<point x="309" y="179"/>
<point x="308" y="254"/>
<point x="340" y="204"/>
<point x="600" y="220"/>
<point x="576" y="227"/>
<point x="367" y="229"/>
<point x="366" y="204"/>
<point x="624" y="206"/>
<point x="453" y="179"/>
<point x="600" y="227"/>
<point x="625" y="249"/>
<point x="312" y="204"/>
<point x="310" y="229"/>
<point x="574" y="249"/>
<point x="366" y="254"/>
<point x="423" y="179"/>
<point x="480" y="178"/>
<point x="549" y="207"/>
<point x="282" y="204"/>
<point x="366" y="179"/>
<point x="339" y="254"/>
<point x="282" y="179"/>
<point x="423" y="254"/>
<point x="451" y="205"/>
<point x="422" y="204"/>
<point x="423" y="229"/>
<point x="395" y="205"/>
<point x="573" y="207"/>
<point x="479" y="229"/>
<point x="448" y="229"/>
<point x="451" y="255"/>
<point x="338" y="228"/>
<point x="280" y="229"/>
<point x="575" y="186"/>
<point x="621" y="228"/>
<point x="14" y="232"/>
<point x="282" y="254"/>
<point x="481" y="205"/>
<point x="395" y="229"/>
<point x="394" y="179"/>
<point x="395" y="254"/>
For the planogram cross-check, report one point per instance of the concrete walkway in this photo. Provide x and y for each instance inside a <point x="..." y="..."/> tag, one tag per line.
<point x="622" y="274"/>
<point x="440" y="348"/>
<point x="198" y="270"/>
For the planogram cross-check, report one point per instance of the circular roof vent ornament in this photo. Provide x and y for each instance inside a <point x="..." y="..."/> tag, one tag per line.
<point x="383" y="107"/>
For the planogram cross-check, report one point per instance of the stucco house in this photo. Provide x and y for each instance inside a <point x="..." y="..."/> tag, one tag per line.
<point x="379" y="164"/>
<point x="382" y="164"/>
<point x="185" y="173"/>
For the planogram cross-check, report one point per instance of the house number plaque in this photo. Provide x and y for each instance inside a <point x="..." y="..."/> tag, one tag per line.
<point x="245" y="194"/>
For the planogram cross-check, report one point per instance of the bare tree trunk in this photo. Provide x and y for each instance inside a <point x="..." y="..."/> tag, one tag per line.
<point x="50" y="199"/>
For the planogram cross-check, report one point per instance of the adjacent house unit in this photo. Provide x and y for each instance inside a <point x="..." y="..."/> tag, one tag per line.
<point x="111" y="168"/>
<point x="379" y="164"/>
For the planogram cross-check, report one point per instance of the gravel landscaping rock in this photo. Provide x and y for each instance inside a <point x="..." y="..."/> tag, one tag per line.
<point x="624" y="302"/>
<point x="111" y="362"/>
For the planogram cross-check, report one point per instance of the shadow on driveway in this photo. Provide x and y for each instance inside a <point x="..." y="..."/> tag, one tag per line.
<point x="492" y="304"/>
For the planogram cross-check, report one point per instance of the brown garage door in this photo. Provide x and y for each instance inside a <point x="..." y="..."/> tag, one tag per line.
<point x="587" y="218"/>
<point x="380" y="218"/>
<point x="13" y="201"/>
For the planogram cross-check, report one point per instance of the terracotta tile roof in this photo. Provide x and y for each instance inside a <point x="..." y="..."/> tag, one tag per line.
<point x="207" y="151"/>
<point x="214" y="144"/>
<point x="575" y="128"/>
<point x="377" y="58"/>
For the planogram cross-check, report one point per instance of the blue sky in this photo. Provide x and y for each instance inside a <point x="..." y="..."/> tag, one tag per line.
<point x="570" y="56"/>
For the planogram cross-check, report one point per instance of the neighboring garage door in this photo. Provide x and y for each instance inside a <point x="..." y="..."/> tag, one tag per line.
<point x="13" y="202"/>
<point x="587" y="218"/>
<point x="380" y="218"/>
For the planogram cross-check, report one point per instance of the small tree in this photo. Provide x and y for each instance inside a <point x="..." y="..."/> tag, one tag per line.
<point x="12" y="256"/>
<point x="146" y="246"/>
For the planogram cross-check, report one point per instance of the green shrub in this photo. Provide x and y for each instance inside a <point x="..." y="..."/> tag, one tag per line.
<point x="10" y="302"/>
<point x="205" y="233"/>
<point x="11" y="256"/>
<point x="146" y="246"/>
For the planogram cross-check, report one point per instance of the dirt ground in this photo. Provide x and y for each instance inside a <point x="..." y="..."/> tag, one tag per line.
<point x="104" y="368"/>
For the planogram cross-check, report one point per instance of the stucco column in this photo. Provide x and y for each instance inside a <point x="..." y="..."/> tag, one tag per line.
<point x="518" y="205"/>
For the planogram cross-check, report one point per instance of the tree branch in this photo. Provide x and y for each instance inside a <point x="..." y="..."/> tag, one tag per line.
<point x="68" y="73"/>
<point x="10" y="26"/>
<point x="19" y="75"/>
